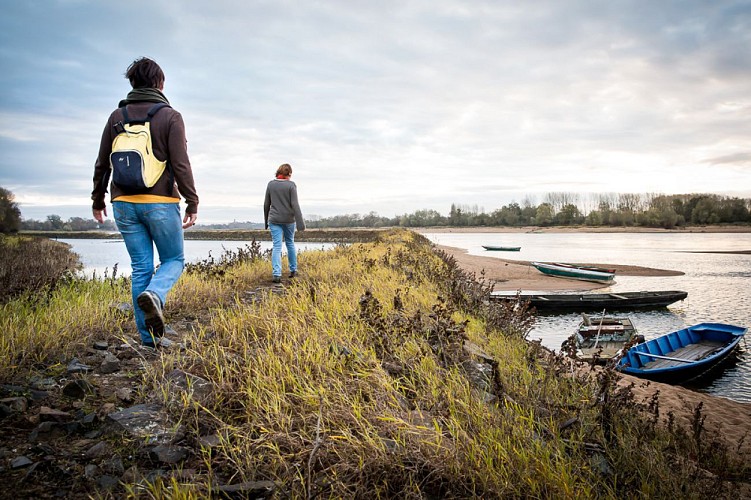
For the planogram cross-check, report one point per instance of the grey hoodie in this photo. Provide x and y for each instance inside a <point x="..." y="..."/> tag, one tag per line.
<point x="281" y="206"/>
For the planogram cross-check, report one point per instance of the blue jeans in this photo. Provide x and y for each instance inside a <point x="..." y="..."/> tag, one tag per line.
<point x="288" y="231"/>
<point x="143" y="225"/>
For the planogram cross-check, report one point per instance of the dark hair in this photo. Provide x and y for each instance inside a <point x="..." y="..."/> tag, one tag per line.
<point x="285" y="169"/>
<point x="144" y="73"/>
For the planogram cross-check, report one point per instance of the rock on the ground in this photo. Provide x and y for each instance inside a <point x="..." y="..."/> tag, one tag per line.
<point x="90" y="471"/>
<point x="97" y="450"/>
<point x="47" y="431"/>
<point x="124" y="394"/>
<point x="110" y="364"/>
<point x="169" y="454"/>
<point x="200" y="388"/>
<point x="20" y="462"/>
<point x="75" y="366"/>
<point x="78" y="389"/>
<point x="47" y="414"/>
<point x="16" y="404"/>
<point x="251" y="489"/>
<point x="145" y="421"/>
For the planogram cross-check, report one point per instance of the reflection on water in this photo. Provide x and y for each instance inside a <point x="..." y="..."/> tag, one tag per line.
<point x="100" y="256"/>
<point x="718" y="284"/>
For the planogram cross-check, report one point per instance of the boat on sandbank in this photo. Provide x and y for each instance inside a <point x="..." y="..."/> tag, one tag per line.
<point x="574" y="271"/>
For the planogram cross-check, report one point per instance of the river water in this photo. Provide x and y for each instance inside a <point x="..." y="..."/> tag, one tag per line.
<point x="100" y="256"/>
<point x="718" y="284"/>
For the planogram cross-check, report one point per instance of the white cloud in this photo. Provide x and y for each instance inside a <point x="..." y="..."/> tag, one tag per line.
<point x="393" y="106"/>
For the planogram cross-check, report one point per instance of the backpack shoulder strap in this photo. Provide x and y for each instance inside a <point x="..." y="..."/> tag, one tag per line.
<point x="124" y="111"/>
<point x="154" y="109"/>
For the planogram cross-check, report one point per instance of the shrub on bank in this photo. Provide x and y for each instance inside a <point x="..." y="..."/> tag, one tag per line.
<point x="29" y="264"/>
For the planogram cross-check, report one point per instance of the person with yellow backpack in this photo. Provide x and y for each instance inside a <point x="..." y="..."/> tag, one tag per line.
<point x="144" y="152"/>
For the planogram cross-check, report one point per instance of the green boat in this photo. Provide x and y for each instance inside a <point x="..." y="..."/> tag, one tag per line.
<point x="501" y="249"/>
<point x="572" y="271"/>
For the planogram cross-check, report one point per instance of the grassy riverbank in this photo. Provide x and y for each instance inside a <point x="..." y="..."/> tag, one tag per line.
<point x="381" y="371"/>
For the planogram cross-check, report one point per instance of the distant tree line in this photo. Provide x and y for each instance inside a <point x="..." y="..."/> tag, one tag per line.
<point x="56" y="223"/>
<point x="570" y="209"/>
<point x="557" y="209"/>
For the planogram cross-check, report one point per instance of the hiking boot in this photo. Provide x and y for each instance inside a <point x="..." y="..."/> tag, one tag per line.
<point x="161" y="343"/>
<point x="152" y="309"/>
<point x="293" y="274"/>
<point x="276" y="279"/>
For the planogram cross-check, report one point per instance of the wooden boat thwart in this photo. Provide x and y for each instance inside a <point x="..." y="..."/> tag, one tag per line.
<point x="572" y="271"/>
<point x="501" y="248"/>
<point x="583" y="302"/>
<point x="683" y="355"/>
<point x="603" y="338"/>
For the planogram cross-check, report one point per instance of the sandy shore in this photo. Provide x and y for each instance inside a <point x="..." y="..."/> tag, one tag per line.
<point x="729" y="421"/>
<point x="513" y="275"/>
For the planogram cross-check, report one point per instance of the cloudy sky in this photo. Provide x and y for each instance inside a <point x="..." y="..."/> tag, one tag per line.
<point x="387" y="106"/>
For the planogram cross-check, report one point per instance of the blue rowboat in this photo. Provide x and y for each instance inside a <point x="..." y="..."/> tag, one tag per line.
<point x="573" y="271"/>
<point x="684" y="355"/>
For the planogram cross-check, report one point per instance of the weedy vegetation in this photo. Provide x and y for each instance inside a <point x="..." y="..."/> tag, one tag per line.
<point x="30" y="264"/>
<point x="381" y="372"/>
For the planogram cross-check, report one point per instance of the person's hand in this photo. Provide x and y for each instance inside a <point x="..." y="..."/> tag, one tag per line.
<point x="99" y="215"/>
<point x="189" y="220"/>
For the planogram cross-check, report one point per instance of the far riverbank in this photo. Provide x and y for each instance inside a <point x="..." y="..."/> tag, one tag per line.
<point x="584" y="229"/>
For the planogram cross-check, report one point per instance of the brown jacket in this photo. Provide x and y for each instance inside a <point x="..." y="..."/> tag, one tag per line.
<point x="168" y="141"/>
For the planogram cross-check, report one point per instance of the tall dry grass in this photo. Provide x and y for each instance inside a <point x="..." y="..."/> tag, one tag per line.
<point x="382" y="372"/>
<point x="358" y="382"/>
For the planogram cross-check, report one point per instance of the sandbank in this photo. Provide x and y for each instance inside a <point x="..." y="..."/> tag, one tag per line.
<point x="726" y="420"/>
<point x="513" y="275"/>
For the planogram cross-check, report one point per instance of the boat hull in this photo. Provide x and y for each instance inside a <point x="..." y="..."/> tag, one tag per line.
<point x="575" y="272"/>
<point x="684" y="355"/>
<point x="623" y="301"/>
<point x="501" y="249"/>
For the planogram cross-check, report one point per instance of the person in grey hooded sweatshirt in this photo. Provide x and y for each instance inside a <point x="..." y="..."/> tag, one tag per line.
<point x="281" y="215"/>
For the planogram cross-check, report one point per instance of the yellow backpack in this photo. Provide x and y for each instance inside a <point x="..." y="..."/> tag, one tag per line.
<point x="134" y="166"/>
